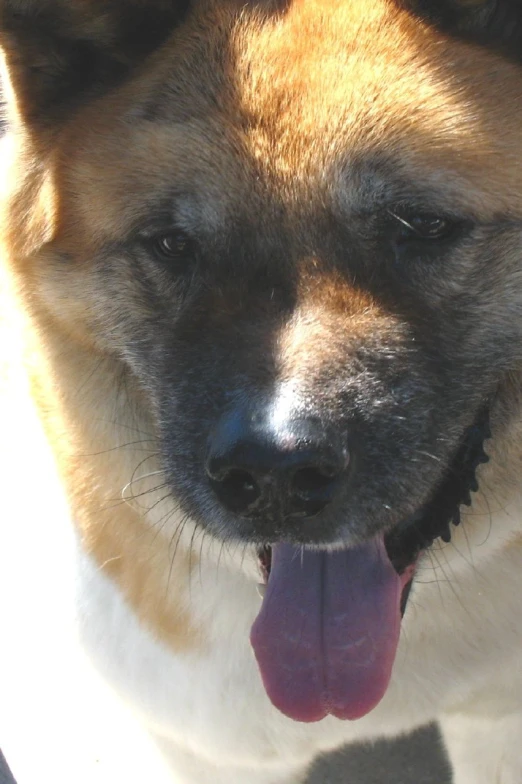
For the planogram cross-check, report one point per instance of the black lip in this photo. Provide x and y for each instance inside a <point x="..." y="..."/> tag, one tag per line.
<point x="264" y="555"/>
<point x="434" y="519"/>
<point x="405" y="596"/>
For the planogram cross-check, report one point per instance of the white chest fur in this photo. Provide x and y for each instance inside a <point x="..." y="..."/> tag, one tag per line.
<point x="210" y="703"/>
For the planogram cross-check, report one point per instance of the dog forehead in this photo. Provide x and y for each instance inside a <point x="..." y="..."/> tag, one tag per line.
<point x="299" y="82"/>
<point x="335" y="81"/>
<point x="242" y="99"/>
<point x="313" y="87"/>
<point x="321" y="68"/>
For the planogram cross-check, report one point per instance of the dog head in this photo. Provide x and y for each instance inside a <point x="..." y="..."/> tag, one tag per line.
<point x="294" y="228"/>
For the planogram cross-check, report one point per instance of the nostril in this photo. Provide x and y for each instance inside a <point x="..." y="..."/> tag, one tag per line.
<point x="312" y="488"/>
<point x="237" y="489"/>
<point x="309" y="481"/>
<point x="273" y="470"/>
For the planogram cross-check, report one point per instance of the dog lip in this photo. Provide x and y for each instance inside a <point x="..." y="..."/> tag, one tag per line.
<point x="406" y="540"/>
<point x="264" y="555"/>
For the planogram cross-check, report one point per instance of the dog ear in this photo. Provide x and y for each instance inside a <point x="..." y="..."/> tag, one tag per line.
<point x="455" y="14"/>
<point x="494" y="23"/>
<point x="57" y="50"/>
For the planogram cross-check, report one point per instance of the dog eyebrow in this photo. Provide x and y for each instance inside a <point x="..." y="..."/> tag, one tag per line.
<point x="370" y="186"/>
<point x="184" y="212"/>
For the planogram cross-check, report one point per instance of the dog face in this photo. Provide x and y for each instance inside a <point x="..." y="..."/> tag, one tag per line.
<point x="291" y="237"/>
<point x="293" y="252"/>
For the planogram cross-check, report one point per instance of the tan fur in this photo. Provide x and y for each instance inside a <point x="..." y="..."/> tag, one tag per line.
<point x="330" y="316"/>
<point x="294" y="84"/>
<point x="289" y="104"/>
<point x="110" y="465"/>
<point x="87" y="184"/>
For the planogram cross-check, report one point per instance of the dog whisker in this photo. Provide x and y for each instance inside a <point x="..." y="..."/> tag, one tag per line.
<point x="135" y="479"/>
<point x="121" y="446"/>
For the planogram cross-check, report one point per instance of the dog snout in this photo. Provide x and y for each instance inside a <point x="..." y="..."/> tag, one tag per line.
<point x="259" y="464"/>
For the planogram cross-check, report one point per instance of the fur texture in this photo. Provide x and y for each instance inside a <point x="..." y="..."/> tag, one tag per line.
<point x="232" y="205"/>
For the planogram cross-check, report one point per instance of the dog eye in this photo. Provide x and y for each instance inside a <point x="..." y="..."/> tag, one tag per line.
<point x="424" y="228"/>
<point x="172" y="246"/>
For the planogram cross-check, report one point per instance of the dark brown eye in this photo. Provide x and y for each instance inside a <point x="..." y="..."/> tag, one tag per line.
<point x="424" y="227"/>
<point x="173" y="246"/>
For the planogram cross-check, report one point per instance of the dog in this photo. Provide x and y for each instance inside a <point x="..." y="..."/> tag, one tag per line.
<point x="270" y="258"/>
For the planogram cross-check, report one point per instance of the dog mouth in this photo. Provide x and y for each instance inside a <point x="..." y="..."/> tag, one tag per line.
<point x="327" y="633"/>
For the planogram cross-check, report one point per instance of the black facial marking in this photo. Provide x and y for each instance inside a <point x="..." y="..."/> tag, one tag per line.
<point x="58" y="52"/>
<point x="434" y="520"/>
<point x="493" y="23"/>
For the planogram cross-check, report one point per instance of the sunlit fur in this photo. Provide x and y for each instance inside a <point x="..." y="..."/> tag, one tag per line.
<point x="276" y="135"/>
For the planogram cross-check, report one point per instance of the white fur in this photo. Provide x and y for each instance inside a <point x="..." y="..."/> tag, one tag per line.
<point x="459" y="659"/>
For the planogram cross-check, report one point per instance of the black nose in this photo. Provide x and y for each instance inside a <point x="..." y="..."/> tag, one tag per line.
<point x="258" y="463"/>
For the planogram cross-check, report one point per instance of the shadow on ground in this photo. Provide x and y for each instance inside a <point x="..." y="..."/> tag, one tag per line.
<point x="416" y="759"/>
<point x="5" y="773"/>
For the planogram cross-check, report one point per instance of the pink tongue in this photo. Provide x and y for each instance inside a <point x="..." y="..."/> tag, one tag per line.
<point x="326" y="636"/>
